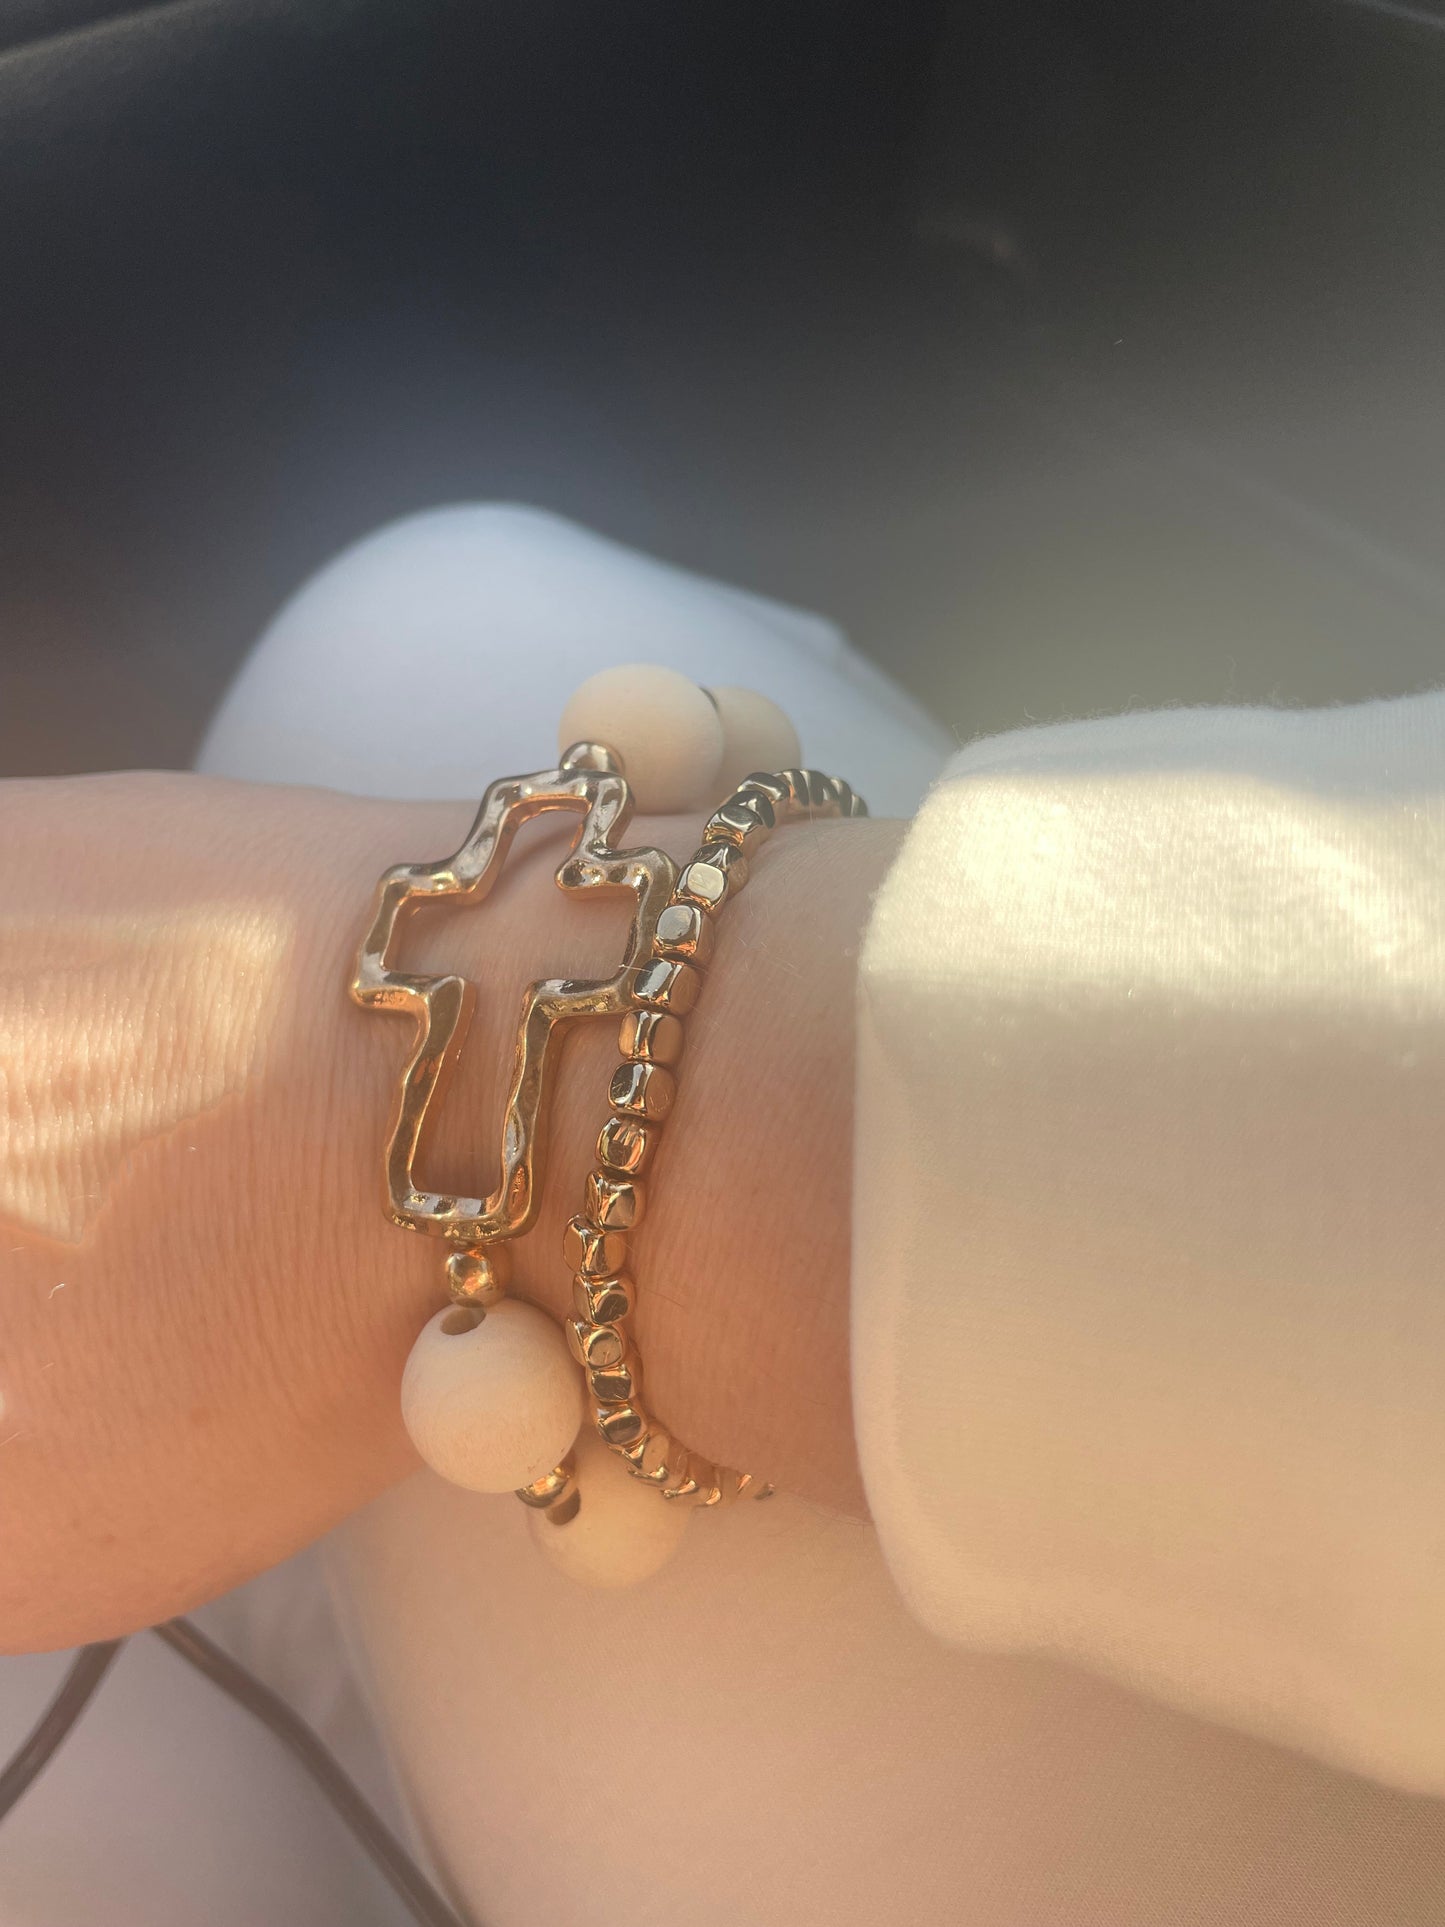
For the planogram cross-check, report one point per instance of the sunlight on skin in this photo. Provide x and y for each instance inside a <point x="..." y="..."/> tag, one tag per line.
<point x="115" y="1030"/>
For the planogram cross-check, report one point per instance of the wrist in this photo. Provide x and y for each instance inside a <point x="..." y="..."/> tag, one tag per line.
<point x="741" y="1261"/>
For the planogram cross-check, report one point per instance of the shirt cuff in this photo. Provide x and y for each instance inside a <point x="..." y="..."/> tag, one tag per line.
<point x="1148" y="1320"/>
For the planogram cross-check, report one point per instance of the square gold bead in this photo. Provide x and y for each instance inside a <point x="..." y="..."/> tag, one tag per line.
<point x="642" y="1090"/>
<point x="617" y="1383"/>
<point x="800" y="801"/>
<point x="602" y="1301"/>
<point x="773" y="786"/>
<point x="595" y="1346"/>
<point x="613" y="1203"/>
<point x="652" y="1455"/>
<point x="664" y="985"/>
<point x="811" y="793"/>
<point x="684" y="932"/>
<point x="625" y="1144"/>
<point x="592" y="1251"/>
<point x="635" y="1454"/>
<point x="651" y="1036"/>
<point x="744" y="821"/>
<point x="683" y="1484"/>
<point x="619" y="1424"/>
<point x="713" y="875"/>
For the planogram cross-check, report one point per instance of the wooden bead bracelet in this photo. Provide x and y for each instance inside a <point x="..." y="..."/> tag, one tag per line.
<point x="491" y="1395"/>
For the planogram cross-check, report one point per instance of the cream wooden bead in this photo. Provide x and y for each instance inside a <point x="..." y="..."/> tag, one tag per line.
<point x="491" y="1400"/>
<point x="623" y="1531"/>
<point x="666" y="730"/>
<point x="756" y="735"/>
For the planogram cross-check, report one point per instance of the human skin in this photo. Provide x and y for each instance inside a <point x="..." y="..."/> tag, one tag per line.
<point x="204" y="1311"/>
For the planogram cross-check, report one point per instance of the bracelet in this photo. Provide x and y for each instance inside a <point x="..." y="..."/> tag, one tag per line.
<point x="491" y="1394"/>
<point x="641" y="1096"/>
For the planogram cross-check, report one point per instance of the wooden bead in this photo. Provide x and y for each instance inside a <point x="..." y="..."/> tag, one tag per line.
<point x="666" y="730"/>
<point x="621" y="1533"/>
<point x="756" y="735"/>
<point x="491" y="1399"/>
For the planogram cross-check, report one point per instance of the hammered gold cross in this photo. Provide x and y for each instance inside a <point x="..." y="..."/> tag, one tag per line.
<point x="588" y="782"/>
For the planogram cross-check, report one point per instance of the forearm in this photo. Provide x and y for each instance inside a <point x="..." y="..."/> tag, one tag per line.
<point x="203" y="1310"/>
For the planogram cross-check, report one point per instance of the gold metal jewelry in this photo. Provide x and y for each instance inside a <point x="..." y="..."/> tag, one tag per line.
<point x="589" y="783"/>
<point x="668" y="950"/>
<point x="640" y="1094"/>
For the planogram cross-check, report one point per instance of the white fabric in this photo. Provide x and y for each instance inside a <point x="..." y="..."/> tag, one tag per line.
<point x="1150" y="1322"/>
<point x="463" y="632"/>
<point x="170" y="1807"/>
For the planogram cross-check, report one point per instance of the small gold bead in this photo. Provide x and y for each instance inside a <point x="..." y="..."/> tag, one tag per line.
<point x="773" y="786"/>
<point x="602" y="1301"/>
<point x="652" y="1456"/>
<point x="657" y="1454"/>
<point x="616" y="1383"/>
<point x="591" y="1250"/>
<point x="708" y="1478"/>
<point x="799" y="794"/>
<point x="625" y="1144"/>
<point x="745" y="820"/>
<point x="594" y="1346"/>
<point x="550" y="1487"/>
<point x="712" y="876"/>
<point x="634" y="1453"/>
<point x="479" y="1277"/>
<point x="685" y="932"/>
<point x="619" y="1424"/>
<point x="651" y="1036"/>
<point x="566" y="1508"/>
<point x="682" y="1485"/>
<point x="591" y="756"/>
<point x="613" y="1203"/>
<point x="642" y="1090"/>
<point x="664" y="985"/>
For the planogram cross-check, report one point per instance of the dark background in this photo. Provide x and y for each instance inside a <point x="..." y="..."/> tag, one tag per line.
<point x="1071" y="355"/>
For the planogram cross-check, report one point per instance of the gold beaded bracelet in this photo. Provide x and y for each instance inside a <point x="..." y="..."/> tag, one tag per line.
<point x="491" y="1395"/>
<point x="641" y="1095"/>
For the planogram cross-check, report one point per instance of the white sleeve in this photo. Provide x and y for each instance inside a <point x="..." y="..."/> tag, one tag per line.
<point x="1149" y="1260"/>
